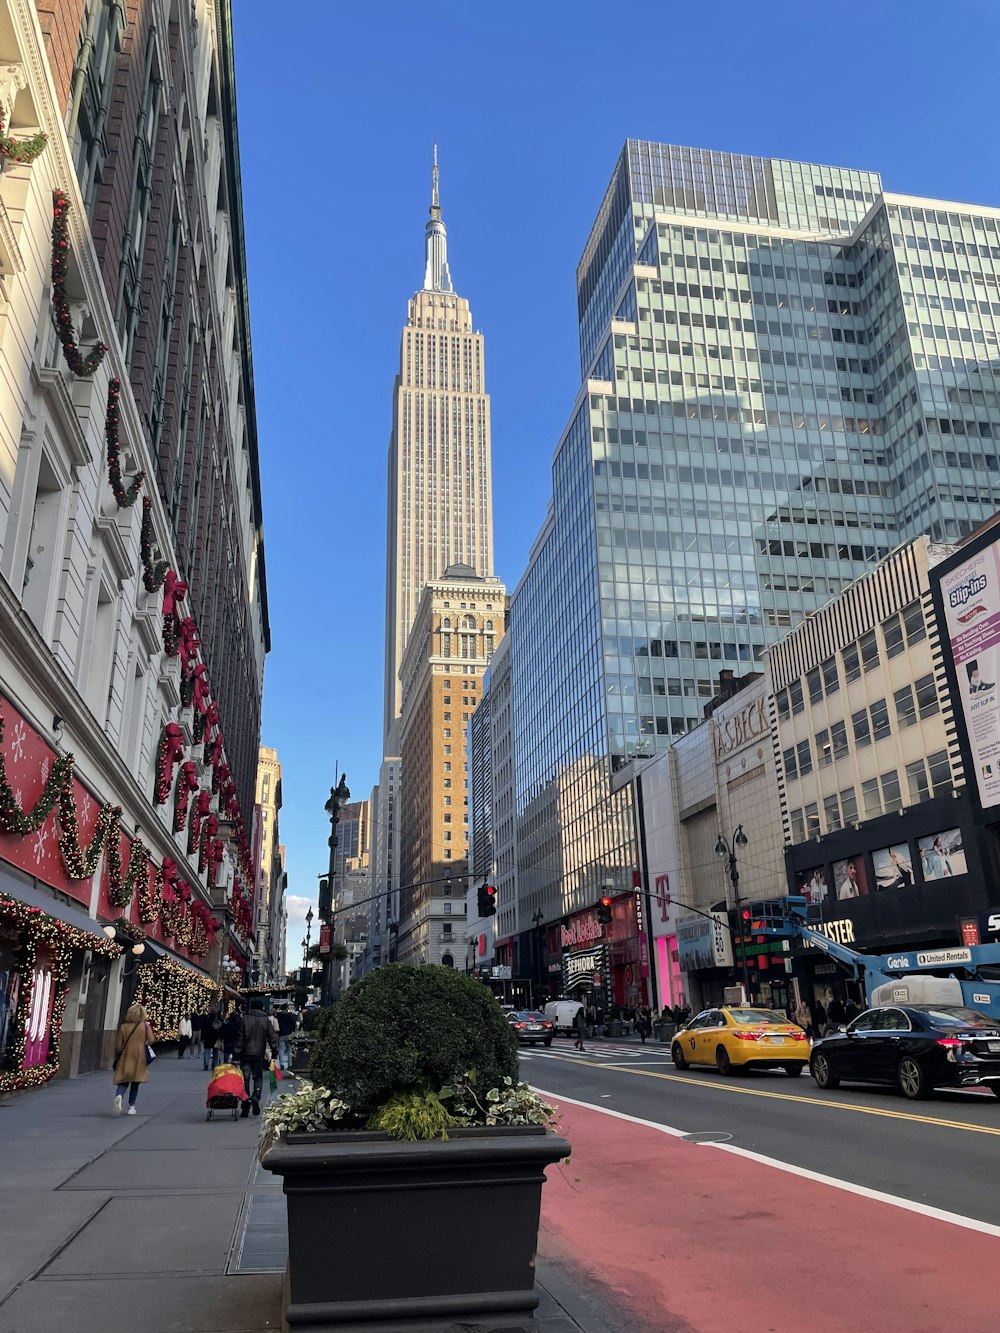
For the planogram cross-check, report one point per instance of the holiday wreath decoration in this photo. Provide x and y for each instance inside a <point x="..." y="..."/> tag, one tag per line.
<point x="78" y="364"/>
<point x="125" y="498"/>
<point x="21" y="151"/>
<point x="174" y="590"/>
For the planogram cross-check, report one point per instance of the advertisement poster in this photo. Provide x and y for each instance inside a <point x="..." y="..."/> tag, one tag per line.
<point x="850" y="878"/>
<point x="971" y="596"/>
<point x="704" y="941"/>
<point x="814" y="886"/>
<point x="942" y="854"/>
<point x="893" y="867"/>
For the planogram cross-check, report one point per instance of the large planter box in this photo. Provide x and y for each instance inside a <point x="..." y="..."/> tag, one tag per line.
<point x="666" y="1031"/>
<point x="385" y="1236"/>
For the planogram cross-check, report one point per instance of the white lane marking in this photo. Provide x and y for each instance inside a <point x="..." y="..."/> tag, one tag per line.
<point x="879" y="1196"/>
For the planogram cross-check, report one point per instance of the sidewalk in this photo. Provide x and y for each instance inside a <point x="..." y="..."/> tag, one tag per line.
<point x="161" y="1220"/>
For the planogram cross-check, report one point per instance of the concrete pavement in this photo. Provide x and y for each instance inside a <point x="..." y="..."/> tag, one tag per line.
<point x="161" y="1220"/>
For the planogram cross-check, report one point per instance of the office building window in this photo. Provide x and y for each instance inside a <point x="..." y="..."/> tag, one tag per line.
<point x="913" y="622"/>
<point x="927" y="700"/>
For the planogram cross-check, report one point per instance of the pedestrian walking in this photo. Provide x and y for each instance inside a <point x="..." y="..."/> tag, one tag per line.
<point x="184" y="1034"/>
<point x="231" y="1031"/>
<point x="287" y="1023"/>
<point x="819" y="1018"/>
<point x="580" y="1026"/>
<point x="803" y="1017"/>
<point x="851" y="1011"/>
<point x="131" y="1059"/>
<point x="197" y="1048"/>
<point x="835" y="1017"/>
<point x="644" y="1022"/>
<point x="211" y="1035"/>
<point x="254" y="1042"/>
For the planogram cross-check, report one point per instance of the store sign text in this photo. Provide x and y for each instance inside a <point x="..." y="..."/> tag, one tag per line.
<point x="750" y="724"/>
<point x="581" y="932"/>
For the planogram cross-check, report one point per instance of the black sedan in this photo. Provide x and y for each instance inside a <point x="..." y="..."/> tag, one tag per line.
<point x="530" y="1028"/>
<point x="917" y="1047"/>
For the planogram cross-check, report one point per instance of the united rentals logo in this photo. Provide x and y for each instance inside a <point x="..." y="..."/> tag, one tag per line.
<point x="967" y="590"/>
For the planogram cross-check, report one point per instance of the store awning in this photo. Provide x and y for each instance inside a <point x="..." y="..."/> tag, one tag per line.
<point x="27" y="893"/>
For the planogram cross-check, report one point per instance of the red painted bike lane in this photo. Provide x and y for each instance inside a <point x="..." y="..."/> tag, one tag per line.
<point x="687" y="1237"/>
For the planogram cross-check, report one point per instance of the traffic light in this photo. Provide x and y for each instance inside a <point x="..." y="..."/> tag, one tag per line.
<point x="487" y="900"/>
<point x="604" y="911"/>
<point x="746" y="916"/>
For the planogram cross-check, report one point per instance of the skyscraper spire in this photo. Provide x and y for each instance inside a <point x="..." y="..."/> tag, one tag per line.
<point x="437" y="277"/>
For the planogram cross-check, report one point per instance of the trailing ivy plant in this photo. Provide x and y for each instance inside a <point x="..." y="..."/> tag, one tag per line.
<point x="310" y="1109"/>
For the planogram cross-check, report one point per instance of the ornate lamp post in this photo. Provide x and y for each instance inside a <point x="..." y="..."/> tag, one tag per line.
<point x="727" y="850"/>
<point x="339" y="796"/>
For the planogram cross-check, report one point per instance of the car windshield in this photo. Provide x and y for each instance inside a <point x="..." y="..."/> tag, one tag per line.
<point x="527" y="1016"/>
<point x="757" y="1017"/>
<point x="954" y="1018"/>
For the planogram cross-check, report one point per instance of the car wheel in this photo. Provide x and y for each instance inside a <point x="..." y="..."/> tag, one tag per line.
<point x="793" y="1071"/>
<point x="722" y="1060"/>
<point x="820" y="1069"/>
<point x="548" y="1041"/>
<point x="677" y="1055"/>
<point x="913" y="1081"/>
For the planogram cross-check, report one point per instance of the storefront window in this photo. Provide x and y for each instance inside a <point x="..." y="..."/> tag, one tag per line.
<point x="9" y="988"/>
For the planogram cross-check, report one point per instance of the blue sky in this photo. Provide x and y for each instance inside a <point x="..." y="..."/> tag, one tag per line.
<point x="530" y="105"/>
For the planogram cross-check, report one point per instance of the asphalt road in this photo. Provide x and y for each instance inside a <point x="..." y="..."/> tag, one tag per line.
<point x="942" y="1152"/>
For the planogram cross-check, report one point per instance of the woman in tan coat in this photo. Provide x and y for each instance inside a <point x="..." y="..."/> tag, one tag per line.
<point x="131" y="1067"/>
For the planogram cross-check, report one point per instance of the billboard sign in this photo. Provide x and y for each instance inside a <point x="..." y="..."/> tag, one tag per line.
<point x="970" y="594"/>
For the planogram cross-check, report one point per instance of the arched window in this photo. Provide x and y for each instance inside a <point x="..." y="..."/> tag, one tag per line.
<point x="469" y="622"/>
<point x="447" y="960"/>
<point x="446" y="623"/>
<point x="489" y="627"/>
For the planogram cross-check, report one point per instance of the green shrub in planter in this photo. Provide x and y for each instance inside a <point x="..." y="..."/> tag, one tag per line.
<point x="403" y="1029"/>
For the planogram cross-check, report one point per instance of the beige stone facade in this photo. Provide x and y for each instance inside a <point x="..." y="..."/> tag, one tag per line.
<point x="271" y="888"/>
<point x="458" y="624"/>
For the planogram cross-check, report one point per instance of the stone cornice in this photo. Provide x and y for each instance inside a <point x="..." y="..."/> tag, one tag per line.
<point x="99" y="765"/>
<point x="52" y="383"/>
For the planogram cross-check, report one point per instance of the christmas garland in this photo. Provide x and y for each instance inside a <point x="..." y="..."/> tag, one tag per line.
<point x="153" y="571"/>
<point x="40" y="930"/>
<point x="169" y="751"/>
<point x="15" y="820"/>
<point x="79" y="365"/>
<point x="121" y="888"/>
<point x="187" y="782"/>
<point x="22" y="151"/>
<point x="80" y="863"/>
<point x="125" y="498"/>
<point x="201" y="808"/>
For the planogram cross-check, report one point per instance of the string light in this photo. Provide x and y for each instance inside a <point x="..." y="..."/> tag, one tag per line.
<point x="170" y="992"/>
<point x="79" y="365"/>
<point x="42" y="934"/>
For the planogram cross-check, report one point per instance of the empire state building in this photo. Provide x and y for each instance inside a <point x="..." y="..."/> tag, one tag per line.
<point x="440" y="503"/>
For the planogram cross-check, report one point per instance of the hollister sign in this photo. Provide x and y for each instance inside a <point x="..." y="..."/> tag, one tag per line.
<point x="743" y="728"/>
<point x="584" y="931"/>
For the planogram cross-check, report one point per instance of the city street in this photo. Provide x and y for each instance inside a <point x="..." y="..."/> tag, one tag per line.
<point x="887" y="1197"/>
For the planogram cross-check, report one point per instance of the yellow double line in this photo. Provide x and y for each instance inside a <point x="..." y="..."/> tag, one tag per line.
<point x="786" y="1097"/>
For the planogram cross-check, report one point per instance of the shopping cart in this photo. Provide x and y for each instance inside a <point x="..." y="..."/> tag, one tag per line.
<point x="226" y="1091"/>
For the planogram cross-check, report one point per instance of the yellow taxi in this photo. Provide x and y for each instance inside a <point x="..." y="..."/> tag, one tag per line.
<point x="737" y="1038"/>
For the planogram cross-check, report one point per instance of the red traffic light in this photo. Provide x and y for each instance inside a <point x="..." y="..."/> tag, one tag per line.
<point x="746" y="914"/>
<point x="605" y="902"/>
<point x="491" y="890"/>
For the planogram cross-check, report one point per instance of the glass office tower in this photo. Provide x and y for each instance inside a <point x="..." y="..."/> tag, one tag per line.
<point x="787" y="372"/>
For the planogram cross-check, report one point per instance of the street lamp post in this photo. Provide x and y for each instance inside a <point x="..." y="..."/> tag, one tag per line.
<point x="727" y="850"/>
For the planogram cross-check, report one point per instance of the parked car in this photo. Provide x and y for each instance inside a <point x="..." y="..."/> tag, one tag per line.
<point x="530" y="1027"/>
<point x="734" y="1039"/>
<point x="562" y="1014"/>
<point x="917" y="1047"/>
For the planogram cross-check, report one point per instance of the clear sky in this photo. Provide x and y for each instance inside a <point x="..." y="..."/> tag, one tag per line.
<point x="530" y="104"/>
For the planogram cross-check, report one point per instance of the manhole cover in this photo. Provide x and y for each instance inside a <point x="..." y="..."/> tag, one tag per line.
<point x="707" y="1136"/>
